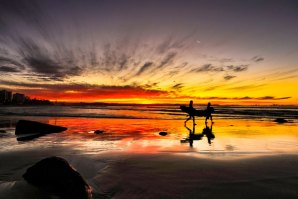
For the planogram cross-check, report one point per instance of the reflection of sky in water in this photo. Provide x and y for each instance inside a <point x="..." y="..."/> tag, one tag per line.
<point x="232" y="137"/>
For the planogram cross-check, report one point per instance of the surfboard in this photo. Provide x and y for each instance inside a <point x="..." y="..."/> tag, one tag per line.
<point x="196" y="112"/>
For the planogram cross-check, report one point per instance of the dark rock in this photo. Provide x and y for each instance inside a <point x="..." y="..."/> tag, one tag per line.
<point x="280" y="120"/>
<point x="98" y="131"/>
<point x="163" y="133"/>
<point x="55" y="176"/>
<point x="2" y="131"/>
<point x="26" y="129"/>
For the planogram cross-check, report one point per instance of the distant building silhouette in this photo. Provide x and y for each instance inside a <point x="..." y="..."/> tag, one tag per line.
<point x="5" y="97"/>
<point x="18" y="98"/>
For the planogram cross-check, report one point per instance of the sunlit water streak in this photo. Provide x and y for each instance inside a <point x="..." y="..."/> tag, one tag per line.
<point x="238" y="131"/>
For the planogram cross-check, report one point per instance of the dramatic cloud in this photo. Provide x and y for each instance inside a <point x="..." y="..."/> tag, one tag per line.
<point x="208" y="68"/>
<point x="213" y="68"/>
<point x="177" y="86"/>
<point x="79" y="91"/>
<point x="105" y="48"/>
<point x="257" y="59"/>
<point x="9" y="62"/>
<point x="169" y="58"/>
<point x="238" y="68"/>
<point x="8" y="65"/>
<point x="8" y="69"/>
<point x="144" y="68"/>
<point x="228" y="77"/>
<point x="41" y="61"/>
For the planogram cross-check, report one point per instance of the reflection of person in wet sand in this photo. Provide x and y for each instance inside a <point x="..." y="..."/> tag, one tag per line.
<point x="208" y="132"/>
<point x="191" y="113"/>
<point x="191" y="135"/>
<point x="209" y="110"/>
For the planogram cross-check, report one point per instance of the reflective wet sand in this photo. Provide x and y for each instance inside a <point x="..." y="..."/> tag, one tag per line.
<point x="130" y="159"/>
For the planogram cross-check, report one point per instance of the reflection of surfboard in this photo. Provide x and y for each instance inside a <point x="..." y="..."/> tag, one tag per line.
<point x="188" y="110"/>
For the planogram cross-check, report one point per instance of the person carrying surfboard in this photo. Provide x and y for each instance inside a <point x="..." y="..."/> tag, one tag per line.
<point x="191" y="113"/>
<point x="208" y="111"/>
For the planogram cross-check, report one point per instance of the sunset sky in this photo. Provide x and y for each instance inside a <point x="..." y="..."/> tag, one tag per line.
<point x="151" y="51"/>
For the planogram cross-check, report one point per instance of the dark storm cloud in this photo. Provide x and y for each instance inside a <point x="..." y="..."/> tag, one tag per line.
<point x="9" y="62"/>
<point x="228" y="77"/>
<point x="50" y="51"/>
<point x="8" y="69"/>
<point x="55" y="87"/>
<point x="31" y="41"/>
<point x="54" y="40"/>
<point x="39" y="60"/>
<point x="257" y="59"/>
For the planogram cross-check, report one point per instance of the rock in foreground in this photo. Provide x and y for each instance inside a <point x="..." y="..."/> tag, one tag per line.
<point x="57" y="178"/>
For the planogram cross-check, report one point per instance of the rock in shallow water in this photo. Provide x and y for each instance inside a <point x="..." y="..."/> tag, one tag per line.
<point x="98" y="131"/>
<point x="163" y="133"/>
<point x="27" y="127"/>
<point x="280" y="120"/>
<point x="27" y="130"/>
<point x="56" y="177"/>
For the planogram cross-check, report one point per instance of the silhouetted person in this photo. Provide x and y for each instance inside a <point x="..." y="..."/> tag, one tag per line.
<point x="191" y="113"/>
<point x="209" y="110"/>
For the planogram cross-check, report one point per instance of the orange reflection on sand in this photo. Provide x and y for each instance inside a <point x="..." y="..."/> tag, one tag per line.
<point x="142" y="136"/>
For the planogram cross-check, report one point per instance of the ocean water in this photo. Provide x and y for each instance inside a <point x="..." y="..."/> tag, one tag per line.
<point x="238" y="132"/>
<point x="150" y="111"/>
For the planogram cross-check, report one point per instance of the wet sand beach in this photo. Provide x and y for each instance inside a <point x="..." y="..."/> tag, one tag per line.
<point x="171" y="176"/>
<point x="123" y="175"/>
<point x="245" y="158"/>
